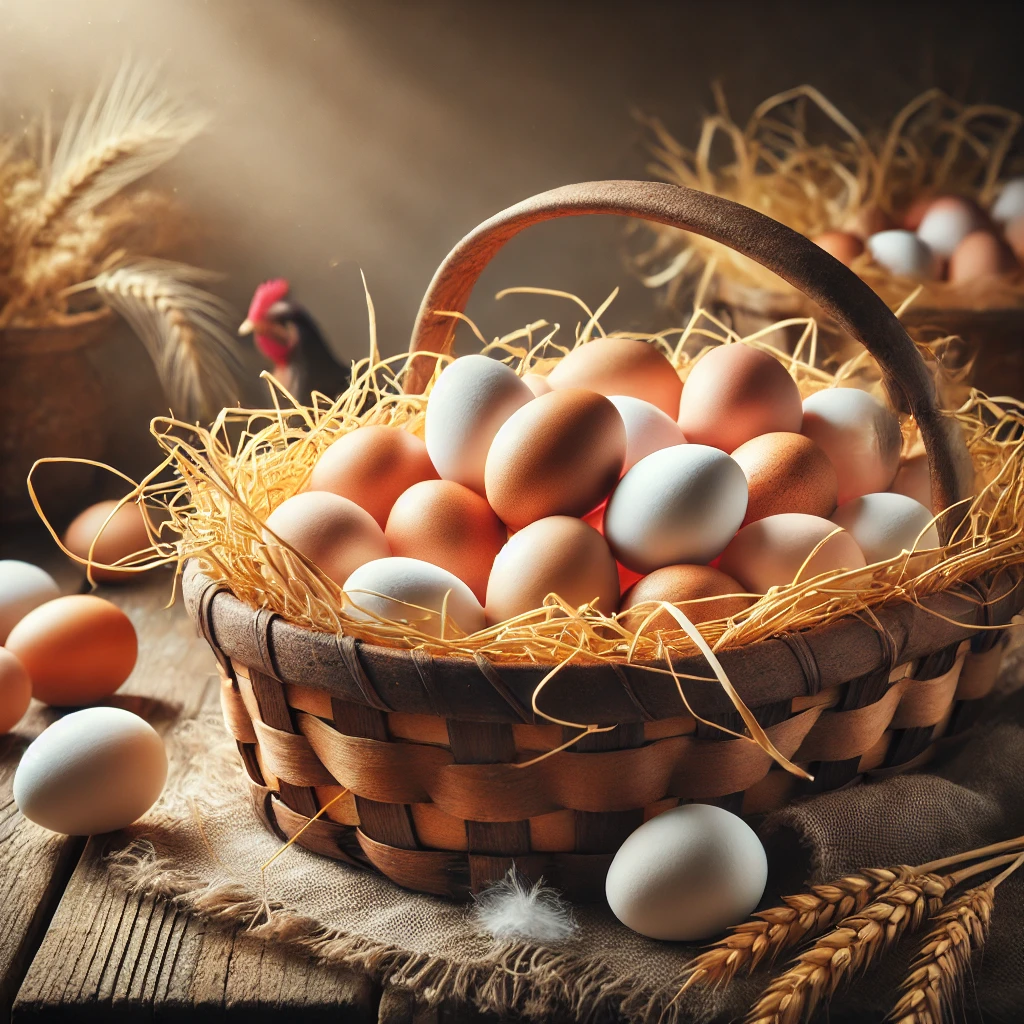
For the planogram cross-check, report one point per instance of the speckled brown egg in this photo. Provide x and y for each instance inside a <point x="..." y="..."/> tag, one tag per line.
<point x="559" y="455"/>
<point x="124" y="535"/>
<point x="621" y="366"/>
<point x="703" y="592"/>
<point x="735" y="392"/>
<point x="981" y="254"/>
<point x="843" y="245"/>
<point x="786" y="473"/>
<point x="446" y="524"/>
<point x="557" y="555"/>
<point x="372" y="466"/>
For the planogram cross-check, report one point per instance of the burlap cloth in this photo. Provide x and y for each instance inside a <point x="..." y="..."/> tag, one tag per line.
<point x="203" y="846"/>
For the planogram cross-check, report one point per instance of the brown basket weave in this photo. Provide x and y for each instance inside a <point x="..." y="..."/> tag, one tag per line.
<point x="430" y="749"/>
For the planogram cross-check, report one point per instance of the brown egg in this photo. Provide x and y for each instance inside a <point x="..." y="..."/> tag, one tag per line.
<point x="627" y="577"/>
<point x="1014" y="232"/>
<point x="843" y="245"/>
<point x="786" y="473"/>
<point x="558" y="555"/>
<point x="442" y="522"/>
<point x="334" y="533"/>
<point x="689" y="586"/>
<point x="980" y="254"/>
<point x="621" y="366"/>
<point x="123" y="536"/>
<point x="372" y="466"/>
<point x="559" y="455"/>
<point x="915" y="212"/>
<point x="15" y="690"/>
<point x="77" y="649"/>
<point x="913" y="479"/>
<point x="868" y="221"/>
<point x="770" y="552"/>
<point x="537" y="384"/>
<point x="735" y="392"/>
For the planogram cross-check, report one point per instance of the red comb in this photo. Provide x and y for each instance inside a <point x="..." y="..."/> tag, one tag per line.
<point x="265" y="296"/>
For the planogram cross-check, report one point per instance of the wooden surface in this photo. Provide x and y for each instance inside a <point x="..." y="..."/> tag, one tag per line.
<point x="75" y="947"/>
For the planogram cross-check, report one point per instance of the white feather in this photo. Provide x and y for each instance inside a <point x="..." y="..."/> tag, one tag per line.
<point x="515" y="909"/>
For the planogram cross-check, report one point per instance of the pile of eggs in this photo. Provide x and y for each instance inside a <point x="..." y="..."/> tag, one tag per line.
<point x="607" y="482"/>
<point x="943" y="237"/>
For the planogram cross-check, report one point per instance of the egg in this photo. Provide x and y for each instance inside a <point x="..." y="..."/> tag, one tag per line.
<point x="860" y="435"/>
<point x="687" y="874"/>
<point x="869" y="220"/>
<point x="626" y="576"/>
<point x="109" y="541"/>
<point x="92" y="771"/>
<point x="447" y="524"/>
<point x="786" y="473"/>
<point x="557" y="555"/>
<point x="77" y="649"/>
<point x="884" y="525"/>
<point x="372" y="466"/>
<point x="948" y="221"/>
<point x="1009" y="204"/>
<point x="537" y="384"/>
<point x="413" y="591"/>
<point x="1014" y="233"/>
<point x="903" y="253"/>
<point x="705" y="594"/>
<point x="735" y="392"/>
<point x="468" y="403"/>
<point x="15" y="690"/>
<point x="678" y="506"/>
<point x="648" y="429"/>
<point x="913" y="479"/>
<point x="22" y="587"/>
<point x="980" y="254"/>
<point x="621" y="366"/>
<point x="914" y="213"/>
<point x="771" y="551"/>
<point x="559" y="455"/>
<point x="842" y="245"/>
<point x="332" y="532"/>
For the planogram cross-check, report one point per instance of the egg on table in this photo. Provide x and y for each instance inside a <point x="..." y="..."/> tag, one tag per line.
<point x="23" y="586"/>
<point x="842" y="245"/>
<point x="903" y="253"/>
<point x="77" y="649"/>
<point x="445" y="523"/>
<point x="557" y="555"/>
<point x="90" y="772"/>
<point x="687" y="874"/>
<point x="884" y="525"/>
<point x="429" y="598"/>
<point x="110" y="536"/>
<point x="621" y="366"/>
<point x="648" y="429"/>
<point x="772" y="551"/>
<point x="470" y="400"/>
<point x="1009" y="204"/>
<point x="980" y="254"/>
<point x="15" y="690"/>
<point x="947" y="222"/>
<point x="332" y="532"/>
<point x="860" y="435"/>
<point x="372" y="466"/>
<point x="559" y="455"/>
<point x="786" y="473"/>
<point x="735" y="392"/>
<point x="678" y="506"/>
<point x="705" y="594"/>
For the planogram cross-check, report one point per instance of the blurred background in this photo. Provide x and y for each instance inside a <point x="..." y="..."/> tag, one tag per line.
<point x="373" y="135"/>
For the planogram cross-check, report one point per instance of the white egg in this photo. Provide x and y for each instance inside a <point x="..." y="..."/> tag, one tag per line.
<point x="883" y="525"/>
<point x="678" y="506"/>
<point x="1010" y="204"/>
<point x="687" y="874"/>
<point x="469" y="402"/>
<point x="648" y="429"/>
<point x="902" y="252"/>
<point x="860" y="435"/>
<point x="947" y="222"/>
<point x="92" y="771"/>
<point x="409" y="590"/>
<point x="22" y="588"/>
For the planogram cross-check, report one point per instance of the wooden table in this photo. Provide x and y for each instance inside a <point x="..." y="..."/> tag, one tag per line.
<point x="74" y="947"/>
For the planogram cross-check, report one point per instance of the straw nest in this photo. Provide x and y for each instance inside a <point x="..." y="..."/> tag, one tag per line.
<point x="800" y="160"/>
<point x="218" y="485"/>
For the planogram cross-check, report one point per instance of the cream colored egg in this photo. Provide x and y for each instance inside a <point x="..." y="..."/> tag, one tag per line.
<point x="648" y="429"/>
<point x="687" y="874"/>
<point x="22" y="587"/>
<point x="92" y="771"/>
<point x="1010" y="203"/>
<point x="903" y="253"/>
<point x="913" y="479"/>
<point x="15" y="690"/>
<point x="537" y="384"/>
<point x="408" y="590"/>
<point x="677" y="506"/>
<point x="860" y="435"/>
<point x="469" y="402"/>
<point x="785" y="548"/>
<point x="884" y="525"/>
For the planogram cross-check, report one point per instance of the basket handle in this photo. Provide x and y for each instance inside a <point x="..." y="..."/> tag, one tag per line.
<point x="795" y="258"/>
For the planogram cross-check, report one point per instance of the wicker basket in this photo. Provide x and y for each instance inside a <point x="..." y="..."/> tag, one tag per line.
<point x="429" y="748"/>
